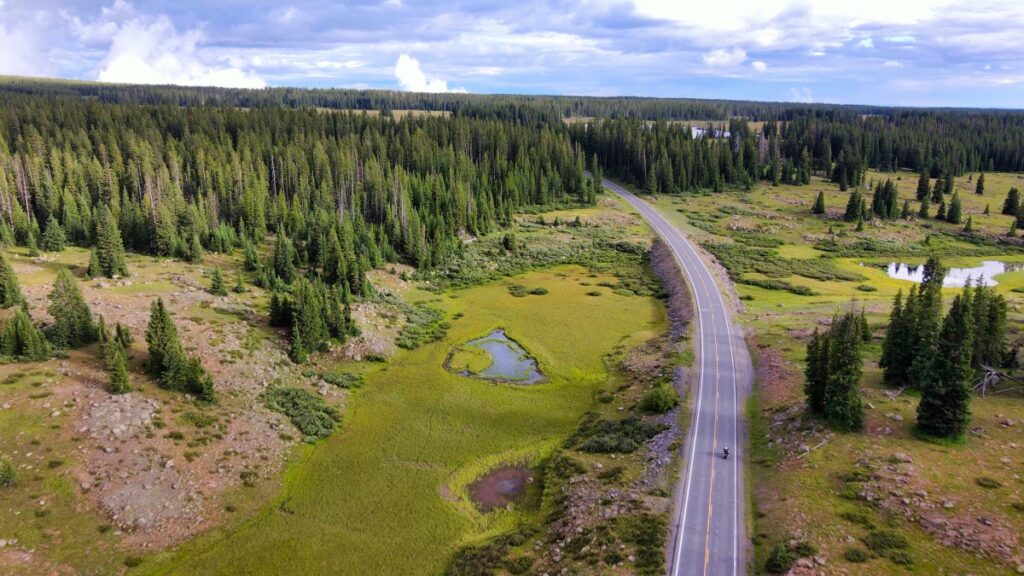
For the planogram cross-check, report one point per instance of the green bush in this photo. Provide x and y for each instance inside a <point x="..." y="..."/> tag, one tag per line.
<point x="901" y="557"/>
<point x="858" y="518"/>
<point x="881" y="540"/>
<point x="867" y="288"/>
<point x="804" y="549"/>
<point x="519" y="564"/>
<point x="423" y="325"/>
<point x="8" y="474"/>
<point x="308" y="412"/>
<point x="659" y="399"/>
<point x="780" y="559"/>
<point x="616" y="436"/>
<point x="986" y="482"/>
<point x="856" y="555"/>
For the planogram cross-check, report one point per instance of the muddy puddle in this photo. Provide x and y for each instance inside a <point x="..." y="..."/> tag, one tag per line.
<point x="501" y="487"/>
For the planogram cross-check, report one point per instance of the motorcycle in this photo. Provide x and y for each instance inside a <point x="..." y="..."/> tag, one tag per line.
<point x="725" y="455"/>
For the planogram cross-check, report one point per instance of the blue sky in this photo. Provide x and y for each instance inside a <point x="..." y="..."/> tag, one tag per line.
<point x="901" y="52"/>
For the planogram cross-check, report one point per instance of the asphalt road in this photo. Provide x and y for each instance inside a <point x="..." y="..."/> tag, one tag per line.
<point x="708" y="535"/>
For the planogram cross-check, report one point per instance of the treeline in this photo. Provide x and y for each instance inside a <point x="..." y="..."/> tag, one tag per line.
<point x="178" y="181"/>
<point x="526" y="108"/>
<point x="664" y="157"/>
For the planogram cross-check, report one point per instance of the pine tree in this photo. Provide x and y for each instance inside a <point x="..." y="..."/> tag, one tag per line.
<point x="283" y="266"/>
<point x="94" y="271"/>
<point x="926" y="322"/>
<point x="979" y="188"/>
<point x="922" y="185"/>
<point x="1012" y="232"/>
<point x="1012" y="202"/>
<point x="217" y="284"/>
<point x="986" y="211"/>
<point x="816" y="372"/>
<point x="844" y="408"/>
<point x="117" y="369"/>
<point x="309" y="331"/>
<point x="944" y="410"/>
<point x="10" y="291"/>
<point x="168" y="361"/>
<point x="860" y="224"/>
<point x="819" y="204"/>
<point x="109" y="252"/>
<point x="162" y="338"/>
<point x="940" y="213"/>
<point x="22" y="340"/>
<point x="53" y="236"/>
<point x="123" y="335"/>
<point x="239" y="286"/>
<point x="73" y="325"/>
<point x="955" y="213"/>
<point x="33" y="249"/>
<point x="854" y="207"/>
<point x="905" y="213"/>
<point x="969" y="227"/>
<point x="925" y="207"/>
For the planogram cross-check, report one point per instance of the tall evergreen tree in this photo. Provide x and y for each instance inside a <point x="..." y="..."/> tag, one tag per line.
<point x="53" y="236"/>
<point x="117" y="369"/>
<point x="922" y="185"/>
<point x="217" y="287"/>
<point x="854" y="207"/>
<point x="110" y="259"/>
<point x="819" y="204"/>
<point x="22" y="340"/>
<point x="979" y="188"/>
<point x="816" y="372"/>
<point x="844" y="408"/>
<point x="944" y="410"/>
<point x="73" y="324"/>
<point x="1012" y="203"/>
<point x="10" y="290"/>
<point x="955" y="213"/>
<point x="162" y="338"/>
<point x="927" y="321"/>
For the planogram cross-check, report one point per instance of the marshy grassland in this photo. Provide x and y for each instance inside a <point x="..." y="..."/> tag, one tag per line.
<point x="390" y="488"/>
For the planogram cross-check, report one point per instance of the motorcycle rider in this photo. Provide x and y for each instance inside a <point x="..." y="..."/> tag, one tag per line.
<point x="726" y="456"/>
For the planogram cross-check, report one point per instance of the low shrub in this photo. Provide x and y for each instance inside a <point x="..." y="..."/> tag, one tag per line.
<point x="780" y="559"/>
<point x="616" y="436"/>
<point x="8" y="475"/>
<point x="901" y="557"/>
<point x="659" y="399"/>
<point x="986" y="482"/>
<point x="308" y="412"/>
<point x="880" y="541"/>
<point x="867" y="288"/>
<point x="856" y="555"/>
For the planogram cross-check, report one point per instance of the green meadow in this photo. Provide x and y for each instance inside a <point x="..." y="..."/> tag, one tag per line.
<point x="386" y="494"/>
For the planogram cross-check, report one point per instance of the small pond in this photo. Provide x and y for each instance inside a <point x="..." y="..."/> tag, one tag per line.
<point x="955" y="277"/>
<point x="495" y="357"/>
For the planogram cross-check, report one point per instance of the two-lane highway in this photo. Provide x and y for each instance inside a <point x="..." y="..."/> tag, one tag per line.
<point x="708" y="536"/>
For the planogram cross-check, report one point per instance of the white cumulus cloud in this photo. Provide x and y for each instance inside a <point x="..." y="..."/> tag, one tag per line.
<point x="721" y="58"/>
<point x="759" y="65"/>
<point x="150" y="50"/>
<point x="411" y="77"/>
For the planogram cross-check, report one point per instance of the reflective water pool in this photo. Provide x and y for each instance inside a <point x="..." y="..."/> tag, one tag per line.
<point x="955" y="277"/>
<point x="509" y="361"/>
